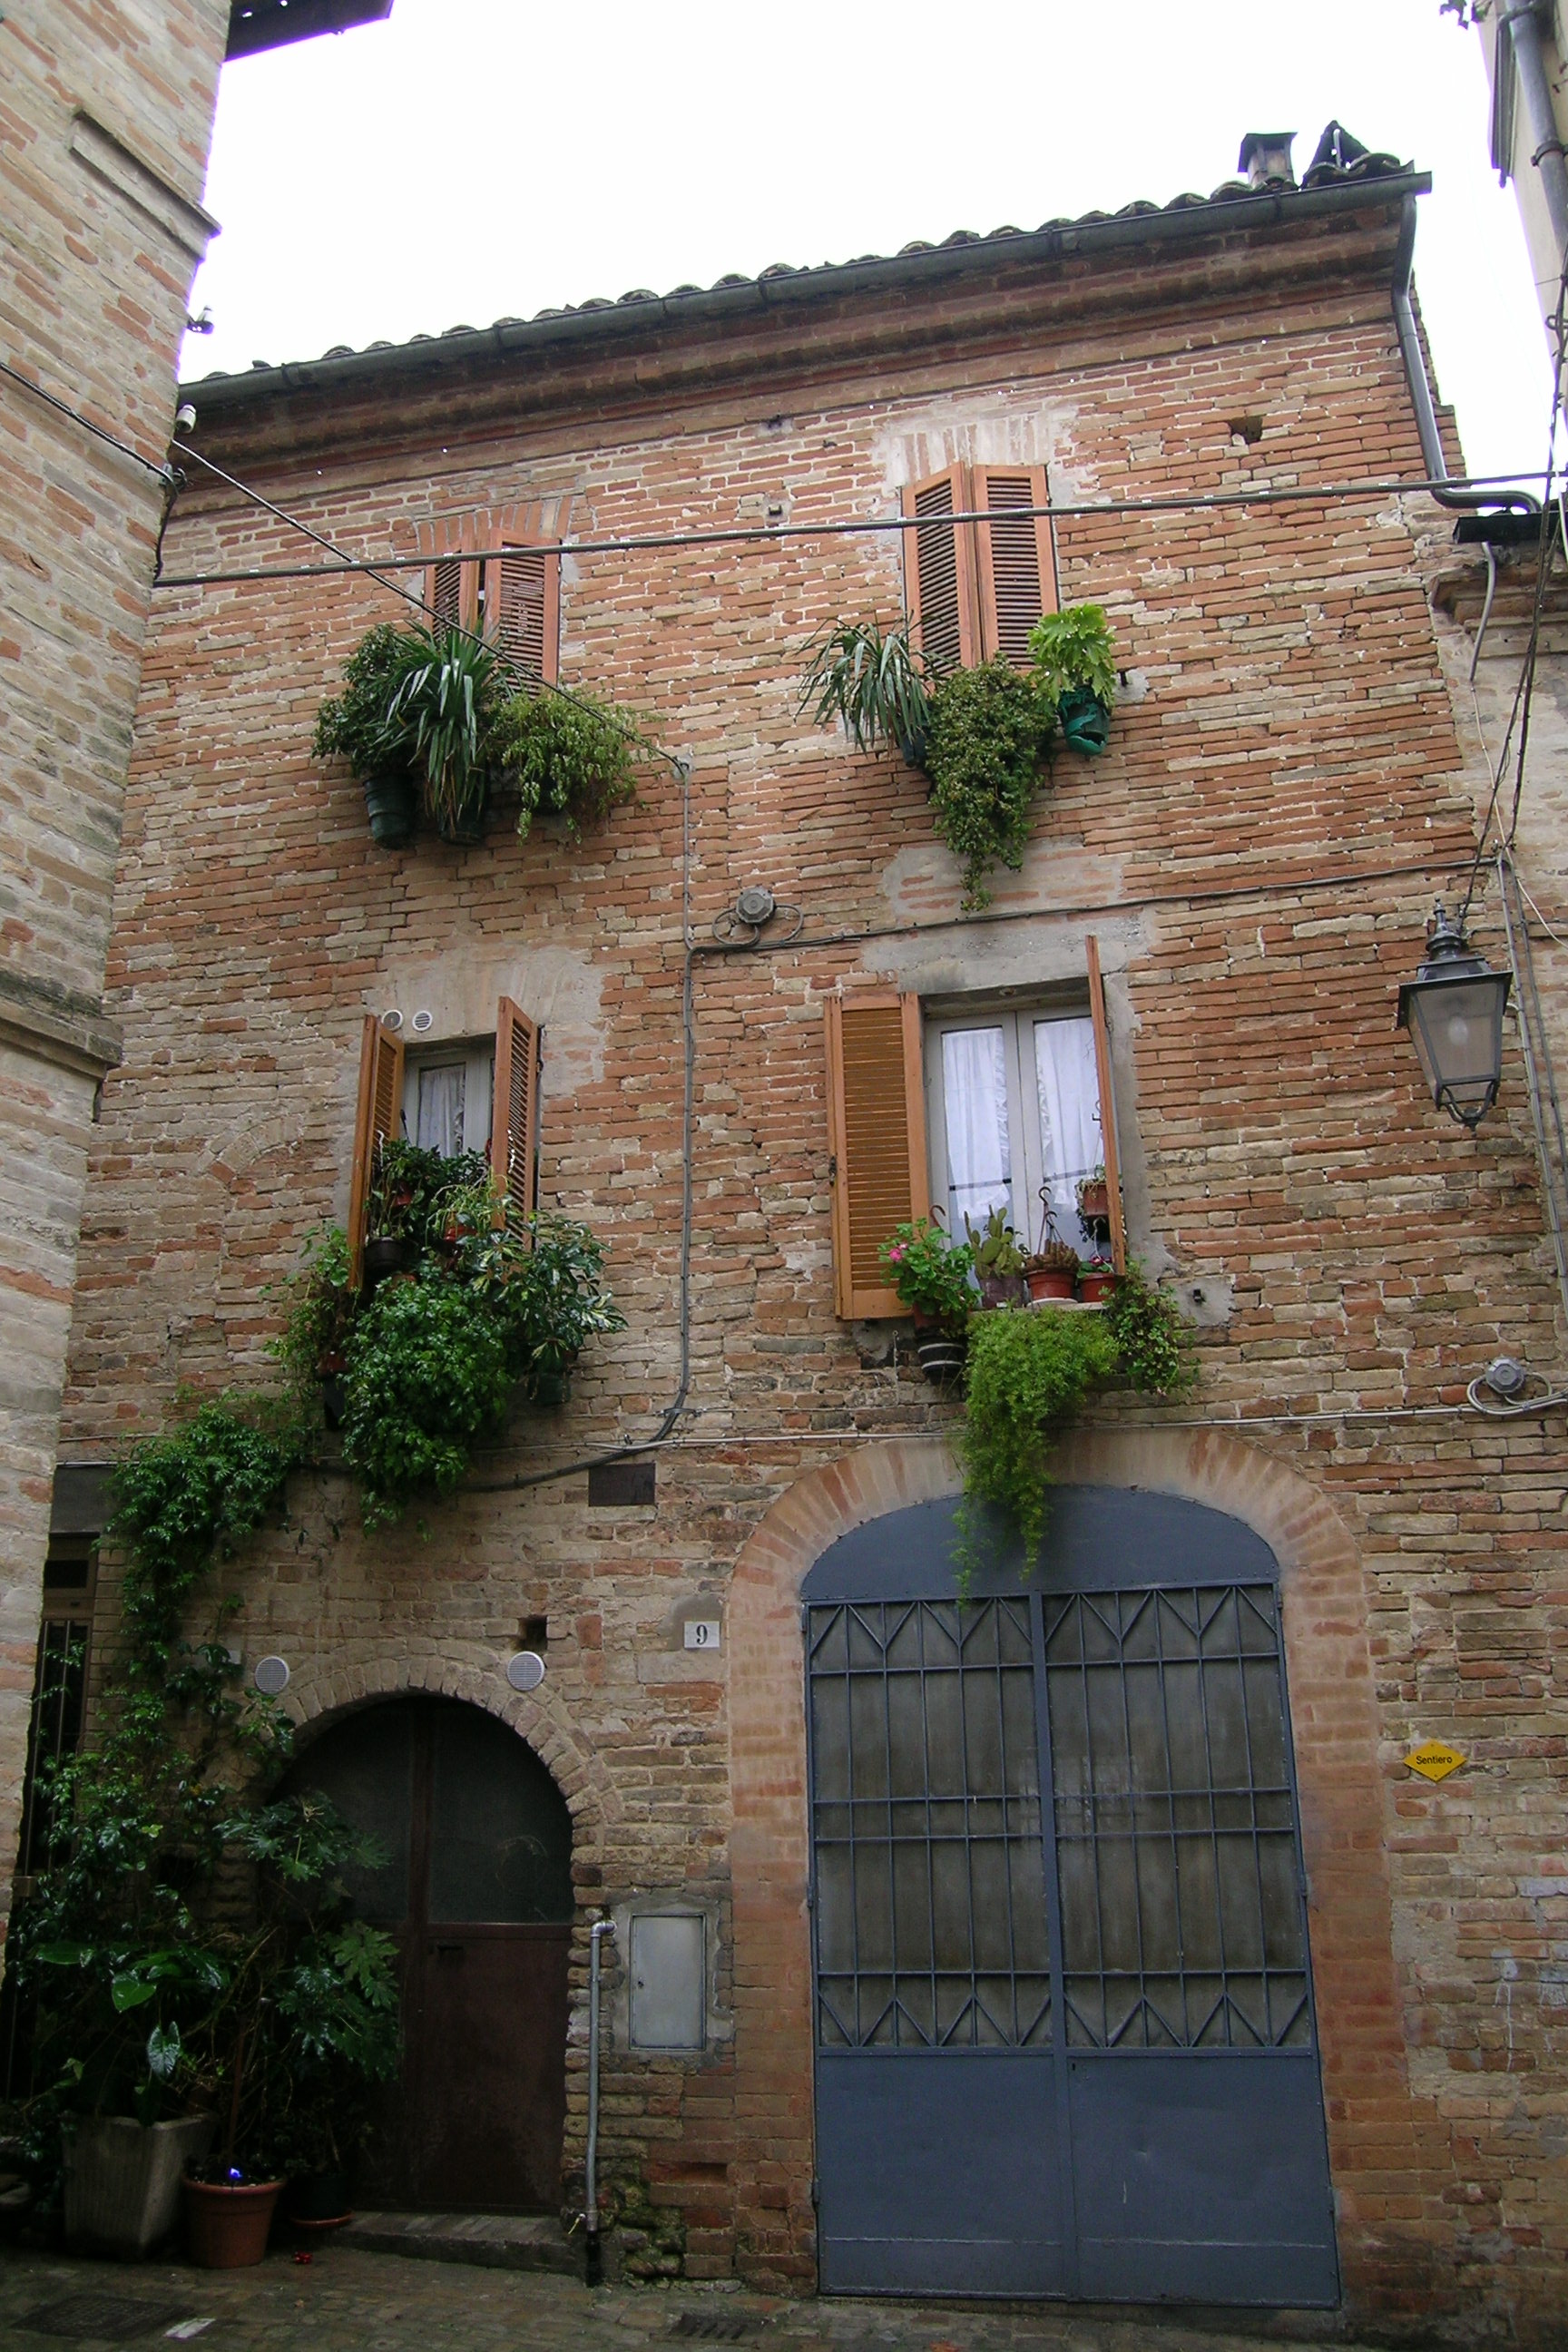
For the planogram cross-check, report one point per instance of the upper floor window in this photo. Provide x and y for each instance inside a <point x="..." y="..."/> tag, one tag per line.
<point x="447" y="1095"/>
<point x="976" y="589"/>
<point x="1012" y="1115"/>
<point x="512" y="597"/>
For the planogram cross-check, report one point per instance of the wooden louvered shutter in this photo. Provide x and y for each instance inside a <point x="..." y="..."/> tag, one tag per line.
<point x="939" y="572"/>
<point x="1107" y="1104"/>
<point x="514" y="1123"/>
<point x="1014" y="558"/>
<point x="444" y="586"/>
<point x="876" y="1124"/>
<point x="522" y="609"/>
<point x="378" y="1115"/>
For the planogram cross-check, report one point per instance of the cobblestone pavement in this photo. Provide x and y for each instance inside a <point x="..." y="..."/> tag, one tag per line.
<point x="344" y="2300"/>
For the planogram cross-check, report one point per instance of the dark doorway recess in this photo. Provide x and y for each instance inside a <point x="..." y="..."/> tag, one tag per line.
<point x="1065" y="2035"/>
<point x="476" y="1886"/>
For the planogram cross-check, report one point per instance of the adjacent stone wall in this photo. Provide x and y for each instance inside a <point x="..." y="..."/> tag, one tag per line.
<point x="1284" y="793"/>
<point x="108" y="112"/>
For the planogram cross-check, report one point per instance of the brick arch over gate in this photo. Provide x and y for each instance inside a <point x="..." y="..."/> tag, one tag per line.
<point x="1381" y="2175"/>
<point x="325" y="1692"/>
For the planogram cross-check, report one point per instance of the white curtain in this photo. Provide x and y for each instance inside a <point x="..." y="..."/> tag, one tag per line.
<point x="441" y="1115"/>
<point x="1068" y="1085"/>
<point x="975" y="1094"/>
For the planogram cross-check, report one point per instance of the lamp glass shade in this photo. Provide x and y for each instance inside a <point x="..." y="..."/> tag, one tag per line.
<point x="1456" y="1025"/>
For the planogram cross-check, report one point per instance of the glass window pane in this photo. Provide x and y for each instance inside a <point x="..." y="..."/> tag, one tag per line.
<point x="975" y="1098"/>
<point x="1067" y="1087"/>
<point x="439" y="1121"/>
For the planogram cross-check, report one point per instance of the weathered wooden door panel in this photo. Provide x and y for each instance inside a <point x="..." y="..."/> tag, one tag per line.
<point x="476" y="1886"/>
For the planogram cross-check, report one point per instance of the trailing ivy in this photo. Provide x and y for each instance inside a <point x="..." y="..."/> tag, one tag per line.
<point x="988" y="735"/>
<point x="572" y="756"/>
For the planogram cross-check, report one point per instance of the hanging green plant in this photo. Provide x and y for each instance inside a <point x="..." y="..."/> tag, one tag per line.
<point x="988" y="737"/>
<point x="573" y="758"/>
<point x="354" y="725"/>
<point x="1075" y="673"/>
<point x="872" y="682"/>
<point x="1153" y="1344"/>
<point x="444" y="708"/>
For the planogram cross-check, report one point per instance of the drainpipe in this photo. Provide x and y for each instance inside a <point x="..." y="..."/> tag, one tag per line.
<point x="593" y="2265"/>
<point x="1521" y="21"/>
<point x="1458" y="502"/>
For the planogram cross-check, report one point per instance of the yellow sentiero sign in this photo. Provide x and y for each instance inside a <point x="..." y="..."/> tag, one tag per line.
<point x="1435" y="1759"/>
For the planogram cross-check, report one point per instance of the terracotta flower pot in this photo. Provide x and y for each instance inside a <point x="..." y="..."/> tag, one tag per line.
<point x="1049" y="1282"/>
<point x="1094" y="1200"/>
<point x="1094" y="1284"/>
<point x="227" y="2222"/>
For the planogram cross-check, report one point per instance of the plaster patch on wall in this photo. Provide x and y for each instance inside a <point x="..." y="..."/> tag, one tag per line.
<point x="459" y="989"/>
<point x="923" y="883"/>
<point x="962" y="429"/>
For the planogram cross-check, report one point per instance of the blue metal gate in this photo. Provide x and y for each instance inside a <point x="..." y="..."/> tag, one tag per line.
<point x="1065" y="2041"/>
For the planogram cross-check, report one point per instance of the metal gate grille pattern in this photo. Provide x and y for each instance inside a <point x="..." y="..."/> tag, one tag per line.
<point x="1175" y="1859"/>
<point x="1176" y="1865"/>
<point x="929" y="1890"/>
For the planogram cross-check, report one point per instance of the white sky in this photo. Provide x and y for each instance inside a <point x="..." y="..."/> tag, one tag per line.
<point x="472" y="159"/>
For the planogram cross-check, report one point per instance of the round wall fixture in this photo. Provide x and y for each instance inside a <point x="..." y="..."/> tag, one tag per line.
<point x="422" y="1020"/>
<point x="525" y="1672"/>
<point x="271" y="1676"/>
<point x="393" y="1020"/>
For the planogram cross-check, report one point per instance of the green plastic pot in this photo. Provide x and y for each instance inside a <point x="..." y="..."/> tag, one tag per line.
<point x="1085" y="722"/>
<point x="391" y="805"/>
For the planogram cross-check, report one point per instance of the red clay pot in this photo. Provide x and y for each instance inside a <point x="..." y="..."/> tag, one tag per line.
<point x="226" y="2225"/>
<point x="1048" y="1282"/>
<point x="1092" y="1286"/>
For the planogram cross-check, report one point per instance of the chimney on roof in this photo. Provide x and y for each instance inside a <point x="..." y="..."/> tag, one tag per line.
<point x="1266" y="159"/>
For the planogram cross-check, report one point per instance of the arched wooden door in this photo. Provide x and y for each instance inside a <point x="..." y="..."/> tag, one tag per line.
<point x="1065" y="2035"/>
<point x="477" y="1887"/>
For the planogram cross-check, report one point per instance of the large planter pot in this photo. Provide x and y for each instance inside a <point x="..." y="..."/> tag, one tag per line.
<point x="1049" y="1282"/>
<point x="387" y="1253"/>
<point x="226" y="2225"/>
<point x="1086" y="722"/>
<point x="464" y="828"/>
<point x="123" y="2179"/>
<point x="317" y="2200"/>
<point x="1002" y="1289"/>
<point x="1094" y="1284"/>
<point x="392" y="804"/>
<point x="940" y="1354"/>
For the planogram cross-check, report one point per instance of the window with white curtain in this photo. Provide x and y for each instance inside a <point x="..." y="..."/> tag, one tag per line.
<point x="447" y="1098"/>
<point x="1012" y="1115"/>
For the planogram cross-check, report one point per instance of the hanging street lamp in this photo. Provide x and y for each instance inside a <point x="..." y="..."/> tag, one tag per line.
<point x="1453" y="1009"/>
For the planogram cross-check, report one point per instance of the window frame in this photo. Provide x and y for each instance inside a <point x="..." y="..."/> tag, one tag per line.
<point x="1014" y="1014"/>
<point x="478" y="1056"/>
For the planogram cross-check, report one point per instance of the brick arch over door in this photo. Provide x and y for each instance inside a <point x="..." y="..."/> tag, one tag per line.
<point x="327" y="1690"/>
<point x="1388" y="2151"/>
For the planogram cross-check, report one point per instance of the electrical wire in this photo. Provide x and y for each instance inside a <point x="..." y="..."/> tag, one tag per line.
<point x="63" y="407"/>
<point x="632" y="543"/>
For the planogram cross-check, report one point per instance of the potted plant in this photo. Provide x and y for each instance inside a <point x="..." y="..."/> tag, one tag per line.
<point x="1075" y="673"/>
<point x="1094" y="1279"/>
<point x="987" y="737"/>
<point x="443" y="708"/>
<point x="873" y="683"/>
<point x="573" y="758"/>
<point x="998" y="1260"/>
<point x="1094" y="1197"/>
<point x="1053" y="1273"/>
<point x="355" y="726"/>
<point x="1028" y="1374"/>
<point x="933" y="1275"/>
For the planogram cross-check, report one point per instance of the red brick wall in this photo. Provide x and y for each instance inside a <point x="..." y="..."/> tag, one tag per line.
<point x="1255" y="853"/>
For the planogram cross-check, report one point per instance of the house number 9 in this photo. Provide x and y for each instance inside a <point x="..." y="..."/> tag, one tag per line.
<point x="702" y="1635"/>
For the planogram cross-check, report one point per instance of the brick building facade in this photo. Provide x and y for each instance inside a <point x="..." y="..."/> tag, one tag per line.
<point x="1254" y="859"/>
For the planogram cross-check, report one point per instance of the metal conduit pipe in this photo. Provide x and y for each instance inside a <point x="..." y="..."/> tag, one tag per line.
<point x="1520" y="23"/>
<point x="593" y="2266"/>
<point x="1458" y="502"/>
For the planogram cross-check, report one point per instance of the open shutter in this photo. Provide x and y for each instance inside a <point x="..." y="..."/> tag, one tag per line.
<point x="522" y="609"/>
<point x="1014" y="558"/>
<point x="514" y="1124"/>
<point x="380" y="1109"/>
<point x="939" y="572"/>
<point x="1107" y="1104"/>
<point x="876" y="1124"/>
<point x="444" y="586"/>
